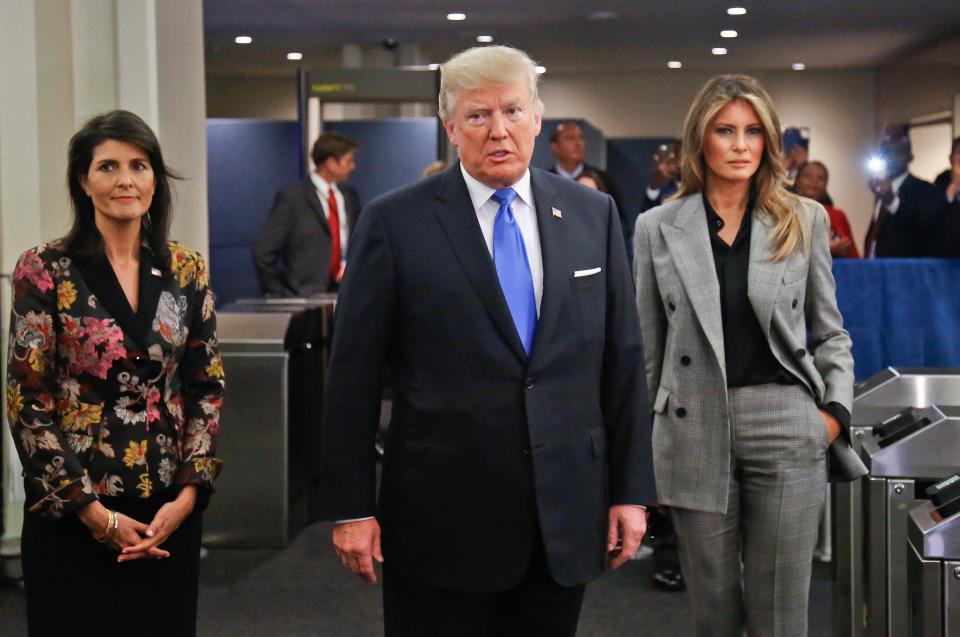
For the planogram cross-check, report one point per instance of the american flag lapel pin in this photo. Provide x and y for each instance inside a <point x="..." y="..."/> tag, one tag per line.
<point x="556" y="213"/>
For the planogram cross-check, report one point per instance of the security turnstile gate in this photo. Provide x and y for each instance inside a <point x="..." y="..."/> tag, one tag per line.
<point x="905" y="454"/>
<point x="933" y="567"/>
<point x="876" y="399"/>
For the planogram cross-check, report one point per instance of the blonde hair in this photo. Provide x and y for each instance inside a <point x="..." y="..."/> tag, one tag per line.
<point x="789" y="230"/>
<point x="485" y="66"/>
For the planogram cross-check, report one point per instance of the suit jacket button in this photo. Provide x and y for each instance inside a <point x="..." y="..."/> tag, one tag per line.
<point x="794" y="304"/>
<point x="525" y="451"/>
<point x="800" y="353"/>
<point x="685" y="361"/>
<point x="681" y="412"/>
<point x="528" y="384"/>
<point x="672" y="306"/>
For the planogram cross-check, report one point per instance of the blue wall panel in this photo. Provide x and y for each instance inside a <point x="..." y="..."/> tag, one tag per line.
<point x="393" y="152"/>
<point x="629" y="161"/>
<point x="248" y="161"/>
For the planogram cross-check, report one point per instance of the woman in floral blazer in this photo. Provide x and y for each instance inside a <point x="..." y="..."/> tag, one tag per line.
<point x="114" y="388"/>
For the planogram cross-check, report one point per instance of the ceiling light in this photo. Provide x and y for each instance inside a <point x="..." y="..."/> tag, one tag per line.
<point x="601" y="15"/>
<point x="456" y="17"/>
<point x="736" y="11"/>
<point x="433" y="67"/>
<point x="541" y="70"/>
<point x="728" y="33"/>
<point x="293" y="55"/>
<point x="675" y="64"/>
<point x="243" y="39"/>
<point x="718" y="50"/>
<point x="799" y="66"/>
<point x="484" y="38"/>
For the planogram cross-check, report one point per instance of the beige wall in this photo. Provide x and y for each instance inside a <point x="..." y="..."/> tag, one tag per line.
<point x="908" y="91"/>
<point x="253" y="97"/>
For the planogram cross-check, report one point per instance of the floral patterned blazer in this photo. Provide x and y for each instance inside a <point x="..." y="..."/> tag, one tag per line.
<point x="103" y="400"/>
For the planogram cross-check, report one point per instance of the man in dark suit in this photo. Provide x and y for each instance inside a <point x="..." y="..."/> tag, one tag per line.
<point x="519" y="449"/>
<point x="569" y="150"/>
<point x="302" y="248"/>
<point x="906" y="207"/>
<point x="946" y="237"/>
<point x="665" y="176"/>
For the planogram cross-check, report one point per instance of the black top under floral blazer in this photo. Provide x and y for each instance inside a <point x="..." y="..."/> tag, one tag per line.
<point x="103" y="400"/>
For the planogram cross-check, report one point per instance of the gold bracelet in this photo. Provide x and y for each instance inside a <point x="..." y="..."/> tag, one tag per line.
<point x="106" y="531"/>
<point x="114" y="524"/>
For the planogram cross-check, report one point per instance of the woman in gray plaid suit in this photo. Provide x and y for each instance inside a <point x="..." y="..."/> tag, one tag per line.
<point x="748" y="362"/>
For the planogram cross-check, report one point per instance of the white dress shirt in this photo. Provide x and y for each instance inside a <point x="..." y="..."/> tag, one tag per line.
<point x="323" y="192"/>
<point x="573" y="174"/>
<point x="894" y="204"/>
<point x="524" y="211"/>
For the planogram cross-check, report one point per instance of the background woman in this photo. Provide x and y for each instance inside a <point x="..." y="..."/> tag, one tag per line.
<point x="811" y="181"/>
<point x="114" y="388"/>
<point x="731" y="275"/>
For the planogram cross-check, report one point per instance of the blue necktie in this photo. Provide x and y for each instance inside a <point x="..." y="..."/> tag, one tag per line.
<point x="513" y="269"/>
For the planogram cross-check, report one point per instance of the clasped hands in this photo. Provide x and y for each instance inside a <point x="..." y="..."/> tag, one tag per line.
<point x="358" y="543"/>
<point x="136" y="540"/>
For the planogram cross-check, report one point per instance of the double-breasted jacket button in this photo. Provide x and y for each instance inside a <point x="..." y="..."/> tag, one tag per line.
<point x="685" y="360"/>
<point x="794" y="304"/>
<point x="800" y="353"/>
<point x="681" y="412"/>
<point x="528" y="384"/>
<point x="672" y="306"/>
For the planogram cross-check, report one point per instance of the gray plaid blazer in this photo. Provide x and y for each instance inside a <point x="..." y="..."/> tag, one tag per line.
<point x="678" y="298"/>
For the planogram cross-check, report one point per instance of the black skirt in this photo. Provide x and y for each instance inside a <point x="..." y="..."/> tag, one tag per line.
<point x="74" y="585"/>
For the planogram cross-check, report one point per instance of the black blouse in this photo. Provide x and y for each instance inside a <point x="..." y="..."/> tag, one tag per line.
<point x="749" y="360"/>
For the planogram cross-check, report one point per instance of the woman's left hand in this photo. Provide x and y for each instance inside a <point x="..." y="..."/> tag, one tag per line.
<point x="167" y="520"/>
<point x="833" y="425"/>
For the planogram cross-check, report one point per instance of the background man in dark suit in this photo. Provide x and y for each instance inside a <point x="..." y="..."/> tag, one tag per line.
<point x="906" y="207"/>
<point x="519" y="449"/>
<point x="664" y="177"/>
<point x="302" y="247"/>
<point x="946" y="236"/>
<point x="569" y="149"/>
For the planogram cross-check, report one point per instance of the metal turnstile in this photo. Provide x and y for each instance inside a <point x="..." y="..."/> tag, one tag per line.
<point x="274" y="355"/>
<point x="876" y="399"/>
<point x="933" y="567"/>
<point x="905" y="454"/>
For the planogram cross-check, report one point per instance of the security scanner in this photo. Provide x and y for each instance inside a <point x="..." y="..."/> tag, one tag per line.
<point x="906" y="453"/>
<point x="275" y="353"/>
<point x="877" y="399"/>
<point x="933" y="566"/>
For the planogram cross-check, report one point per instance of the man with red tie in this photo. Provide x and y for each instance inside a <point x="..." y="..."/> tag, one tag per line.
<point x="905" y="207"/>
<point x="309" y="225"/>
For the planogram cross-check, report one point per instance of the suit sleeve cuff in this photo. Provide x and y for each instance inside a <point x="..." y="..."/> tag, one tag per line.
<point x="839" y="412"/>
<point x="369" y="517"/>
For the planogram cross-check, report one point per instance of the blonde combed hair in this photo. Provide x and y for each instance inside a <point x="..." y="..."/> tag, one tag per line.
<point x="789" y="230"/>
<point x="486" y="66"/>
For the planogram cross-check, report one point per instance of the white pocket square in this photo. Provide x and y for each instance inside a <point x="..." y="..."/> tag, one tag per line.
<point x="579" y="273"/>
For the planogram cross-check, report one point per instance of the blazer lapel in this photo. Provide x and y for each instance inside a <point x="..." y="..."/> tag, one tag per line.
<point x="764" y="275"/>
<point x="99" y="276"/>
<point x="313" y="200"/>
<point x="152" y="282"/>
<point x="553" y="243"/>
<point x="689" y="243"/>
<point x="459" y="221"/>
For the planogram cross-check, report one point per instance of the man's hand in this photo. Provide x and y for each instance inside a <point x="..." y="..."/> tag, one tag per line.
<point x="882" y="188"/>
<point x="357" y="545"/>
<point x="840" y="247"/>
<point x="626" y="525"/>
<point x="833" y="426"/>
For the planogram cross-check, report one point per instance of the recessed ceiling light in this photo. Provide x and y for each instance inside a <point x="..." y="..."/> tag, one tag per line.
<point x="243" y="39"/>
<point x="675" y="64"/>
<point x="433" y="67"/>
<point x="456" y="17"/>
<point x="728" y="33"/>
<point x="484" y="38"/>
<point x="541" y="70"/>
<point x="293" y="55"/>
<point x="718" y="50"/>
<point x="736" y="11"/>
<point x="799" y="66"/>
<point x="601" y="15"/>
